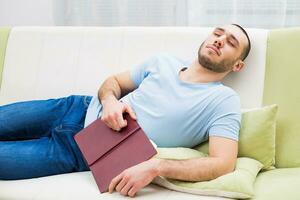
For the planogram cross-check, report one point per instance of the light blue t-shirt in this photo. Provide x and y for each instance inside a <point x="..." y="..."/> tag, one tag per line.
<point x="175" y="113"/>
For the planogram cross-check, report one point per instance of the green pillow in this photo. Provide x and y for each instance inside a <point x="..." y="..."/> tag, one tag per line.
<point x="257" y="136"/>
<point x="237" y="184"/>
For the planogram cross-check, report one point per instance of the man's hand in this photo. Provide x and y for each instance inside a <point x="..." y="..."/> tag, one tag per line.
<point x="131" y="180"/>
<point x="113" y="111"/>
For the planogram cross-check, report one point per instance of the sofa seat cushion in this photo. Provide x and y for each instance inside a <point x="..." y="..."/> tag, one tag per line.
<point x="81" y="185"/>
<point x="278" y="184"/>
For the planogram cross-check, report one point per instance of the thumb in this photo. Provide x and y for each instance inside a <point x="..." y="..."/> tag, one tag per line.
<point x="129" y="110"/>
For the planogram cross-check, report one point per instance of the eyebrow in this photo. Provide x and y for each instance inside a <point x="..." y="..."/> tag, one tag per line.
<point x="230" y="35"/>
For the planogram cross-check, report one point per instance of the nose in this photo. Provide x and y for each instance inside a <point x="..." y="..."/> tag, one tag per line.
<point x="219" y="42"/>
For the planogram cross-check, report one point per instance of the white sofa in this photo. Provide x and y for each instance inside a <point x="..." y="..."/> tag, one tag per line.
<point x="49" y="62"/>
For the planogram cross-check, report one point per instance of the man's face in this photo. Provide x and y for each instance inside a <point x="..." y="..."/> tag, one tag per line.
<point x="222" y="49"/>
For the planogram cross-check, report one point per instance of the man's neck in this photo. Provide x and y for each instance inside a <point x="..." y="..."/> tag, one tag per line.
<point x="196" y="73"/>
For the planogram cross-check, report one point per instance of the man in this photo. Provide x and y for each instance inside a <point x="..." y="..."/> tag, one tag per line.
<point x="176" y="104"/>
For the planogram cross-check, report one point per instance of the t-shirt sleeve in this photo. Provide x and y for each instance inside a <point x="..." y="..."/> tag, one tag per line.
<point x="142" y="70"/>
<point x="227" y="120"/>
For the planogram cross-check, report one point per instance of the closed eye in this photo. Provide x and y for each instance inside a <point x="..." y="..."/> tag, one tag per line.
<point x="217" y="34"/>
<point x="231" y="43"/>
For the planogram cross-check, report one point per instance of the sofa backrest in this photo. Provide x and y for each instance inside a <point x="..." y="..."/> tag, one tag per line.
<point x="4" y="33"/>
<point x="49" y="62"/>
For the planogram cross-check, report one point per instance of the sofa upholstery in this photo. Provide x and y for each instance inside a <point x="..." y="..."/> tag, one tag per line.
<point x="281" y="86"/>
<point x="281" y="183"/>
<point x="50" y="62"/>
<point x="4" y="32"/>
<point x="58" y="61"/>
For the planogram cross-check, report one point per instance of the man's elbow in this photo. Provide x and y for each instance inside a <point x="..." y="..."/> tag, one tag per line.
<point x="224" y="167"/>
<point x="230" y="168"/>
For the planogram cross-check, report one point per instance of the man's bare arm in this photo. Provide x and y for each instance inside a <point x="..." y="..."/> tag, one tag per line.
<point x="221" y="160"/>
<point x="116" y="86"/>
<point x="110" y="91"/>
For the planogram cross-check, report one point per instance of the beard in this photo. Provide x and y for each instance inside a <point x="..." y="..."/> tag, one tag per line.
<point x="218" y="67"/>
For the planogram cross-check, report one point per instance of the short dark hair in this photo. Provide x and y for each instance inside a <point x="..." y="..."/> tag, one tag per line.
<point x="247" y="49"/>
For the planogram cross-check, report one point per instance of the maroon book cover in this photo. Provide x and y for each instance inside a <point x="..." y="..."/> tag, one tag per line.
<point x="110" y="152"/>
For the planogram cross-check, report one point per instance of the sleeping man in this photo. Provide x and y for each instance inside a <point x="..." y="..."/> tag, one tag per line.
<point x="176" y="103"/>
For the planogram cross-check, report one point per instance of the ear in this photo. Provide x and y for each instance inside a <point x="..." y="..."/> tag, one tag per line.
<point x="238" y="66"/>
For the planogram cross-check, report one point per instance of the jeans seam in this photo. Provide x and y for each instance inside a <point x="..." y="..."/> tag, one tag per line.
<point x="67" y="127"/>
<point x="86" y="101"/>
<point x="69" y="147"/>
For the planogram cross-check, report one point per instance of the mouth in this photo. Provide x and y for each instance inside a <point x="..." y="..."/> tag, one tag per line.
<point x="214" y="49"/>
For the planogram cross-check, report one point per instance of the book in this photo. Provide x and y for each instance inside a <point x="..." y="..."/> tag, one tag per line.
<point x="109" y="152"/>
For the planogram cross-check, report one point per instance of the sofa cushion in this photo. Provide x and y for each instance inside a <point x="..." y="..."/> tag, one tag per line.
<point x="4" y="33"/>
<point x="278" y="184"/>
<point x="80" y="186"/>
<point x="257" y="135"/>
<point x="282" y="88"/>
<point x="237" y="184"/>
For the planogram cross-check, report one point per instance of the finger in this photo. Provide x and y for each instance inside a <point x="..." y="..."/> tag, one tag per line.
<point x="121" y="121"/>
<point x="113" y="121"/>
<point x="121" y="184"/>
<point x="130" y="111"/>
<point x="114" y="182"/>
<point x="133" y="190"/>
<point x="116" y="125"/>
<point x="126" y="188"/>
<point x="109" y="121"/>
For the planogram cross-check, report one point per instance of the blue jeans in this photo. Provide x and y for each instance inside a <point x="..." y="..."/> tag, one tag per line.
<point x="36" y="137"/>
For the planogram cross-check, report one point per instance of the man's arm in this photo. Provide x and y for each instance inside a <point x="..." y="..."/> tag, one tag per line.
<point x="116" y="86"/>
<point x="112" y="89"/>
<point x="221" y="160"/>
